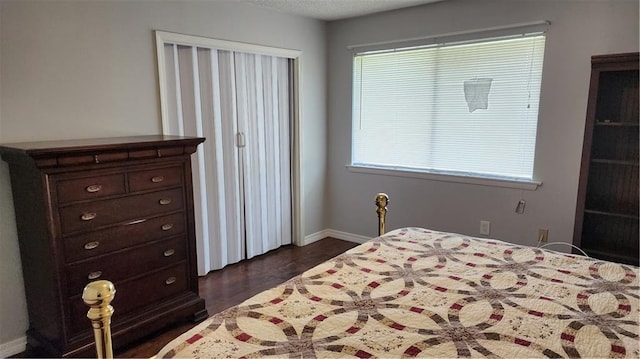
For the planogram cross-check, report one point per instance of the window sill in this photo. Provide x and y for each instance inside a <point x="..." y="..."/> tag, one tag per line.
<point x="480" y="181"/>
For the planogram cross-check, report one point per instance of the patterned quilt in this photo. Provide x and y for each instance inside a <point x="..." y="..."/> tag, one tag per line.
<point x="420" y="293"/>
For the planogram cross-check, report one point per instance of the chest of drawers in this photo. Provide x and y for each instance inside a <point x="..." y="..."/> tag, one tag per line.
<point x="119" y="209"/>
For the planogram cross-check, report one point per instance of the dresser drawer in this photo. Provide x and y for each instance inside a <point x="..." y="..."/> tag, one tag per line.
<point x="121" y="265"/>
<point x="90" y="187"/>
<point x="95" y="158"/>
<point x="155" y="178"/>
<point x="87" y="216"/>
<point x="134" y="294"/>
<point x="108" y="240"/>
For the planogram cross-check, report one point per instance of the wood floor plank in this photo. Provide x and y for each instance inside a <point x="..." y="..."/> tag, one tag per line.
<point x="233" y="284"/>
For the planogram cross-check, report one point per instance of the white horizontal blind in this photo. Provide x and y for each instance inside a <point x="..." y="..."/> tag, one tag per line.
<point x="410" y="110"/>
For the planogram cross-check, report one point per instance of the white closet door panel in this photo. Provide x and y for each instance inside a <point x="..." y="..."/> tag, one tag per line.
<point x="186" y="84"/>
<point x="189" y="108"/>
<point x="220" y="251"/>
<point x="223" y="207"/>
<point x="266" y="156"/>
<point x="285" y="104"/>
<point x="277" y="146"/>
<point x="205" y="94"/>
<point x="271" y="240"/>
<point x="245" y="100"/>
<point x="194" y="113"/>
<point x="188" y="90"/>
<point x="241" y="140"/>
<point x="250" y="163"/>
<point x="207" y="180"/>
<point x="225" y="128"/>
<point x="170" y="51"/>
<point x="180" y="89"/>
<point x="265" y="120"/>
<point x="259" y="147"/>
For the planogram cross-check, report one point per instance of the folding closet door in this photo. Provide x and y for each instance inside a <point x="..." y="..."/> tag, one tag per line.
<point x="262" y="85"/>
<point x="242" y="175"/>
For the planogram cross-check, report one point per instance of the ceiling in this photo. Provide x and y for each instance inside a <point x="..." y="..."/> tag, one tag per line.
<point x="336" y="9"/>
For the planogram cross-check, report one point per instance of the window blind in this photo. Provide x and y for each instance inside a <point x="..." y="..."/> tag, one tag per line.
<point x="466" y="109"/>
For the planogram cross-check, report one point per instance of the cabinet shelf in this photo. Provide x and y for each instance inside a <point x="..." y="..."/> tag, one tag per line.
<point x="612" y="214"/>
<point x="615" y="162"/>
<point x="617" y="124"/>
<point x="611" y="256"/>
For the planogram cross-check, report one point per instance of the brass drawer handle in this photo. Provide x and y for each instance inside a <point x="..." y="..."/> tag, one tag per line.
<point x="157" y="179"/>
<point x="169" y="252"/>
<point x="94" y="275"/>
<point x="165" y="201"/>
<point x="91" y="245"/>
<point x="170" y="280"/>
<point x="87" y="216"/>
<point x="166" y="227"/>
<point x="94" y="188"/>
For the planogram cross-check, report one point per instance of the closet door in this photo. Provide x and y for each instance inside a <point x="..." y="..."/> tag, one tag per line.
<point x="201" y="101"/>
<point x="262" y="87"/>
<point x="242" y="175"/>
<point x="222" y="209"/>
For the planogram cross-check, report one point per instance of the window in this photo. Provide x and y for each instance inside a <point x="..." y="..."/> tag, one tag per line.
<point x="467" y="108"/>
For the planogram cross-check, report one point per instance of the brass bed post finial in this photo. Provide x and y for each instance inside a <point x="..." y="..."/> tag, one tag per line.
<point x="381" y="202"/>
<point x="98" y="295"/>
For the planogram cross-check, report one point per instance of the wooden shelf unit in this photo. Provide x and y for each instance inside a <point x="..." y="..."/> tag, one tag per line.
<point x="606" y="224"/>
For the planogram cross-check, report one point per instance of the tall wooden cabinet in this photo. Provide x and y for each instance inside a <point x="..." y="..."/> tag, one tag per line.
<point x="119" y="209"/>
<point x="606" y="225"/>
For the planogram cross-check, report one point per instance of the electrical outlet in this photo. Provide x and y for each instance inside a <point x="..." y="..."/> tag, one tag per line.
<point x="543" y="235"/>
<point x="485" y="227"/>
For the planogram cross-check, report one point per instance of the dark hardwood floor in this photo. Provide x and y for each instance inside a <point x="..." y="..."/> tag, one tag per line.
<point x="233" y="284"/>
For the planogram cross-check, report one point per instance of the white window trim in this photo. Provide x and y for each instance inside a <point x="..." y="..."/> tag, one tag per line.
<point x="530" y="185"/>
<point x="163" y="37"/>
<point x="488" y="32"/>
<point x="470" y="179"/>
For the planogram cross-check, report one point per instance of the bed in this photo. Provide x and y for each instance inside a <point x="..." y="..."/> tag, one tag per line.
<point x="416" y="292"/>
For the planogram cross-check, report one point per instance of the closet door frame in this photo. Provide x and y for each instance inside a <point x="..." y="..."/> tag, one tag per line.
<point x="163" y="37"/>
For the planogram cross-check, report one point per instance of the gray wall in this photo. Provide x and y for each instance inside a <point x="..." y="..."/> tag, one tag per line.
<point x="579" y="29"/>
<point x="74" y="69"/>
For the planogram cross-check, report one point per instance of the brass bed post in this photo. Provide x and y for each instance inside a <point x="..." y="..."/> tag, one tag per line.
<point x="98" y="295"/>
<point x="381" y="202"/>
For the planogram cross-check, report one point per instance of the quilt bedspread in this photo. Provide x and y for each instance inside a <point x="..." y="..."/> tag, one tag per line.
<point x="420" y="293"/>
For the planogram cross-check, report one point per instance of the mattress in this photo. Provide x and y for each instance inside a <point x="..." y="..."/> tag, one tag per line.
<point x="420" y="293"/>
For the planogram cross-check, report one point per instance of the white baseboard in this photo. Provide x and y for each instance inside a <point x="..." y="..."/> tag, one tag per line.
<point x="356" y="238"/>
<point x="13" y="347"/>
<point x="314" y="237"/>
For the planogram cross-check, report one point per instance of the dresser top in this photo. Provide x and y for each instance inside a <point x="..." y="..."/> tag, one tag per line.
<point x="36" y="149"/>
<point x="97" y="151"/>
